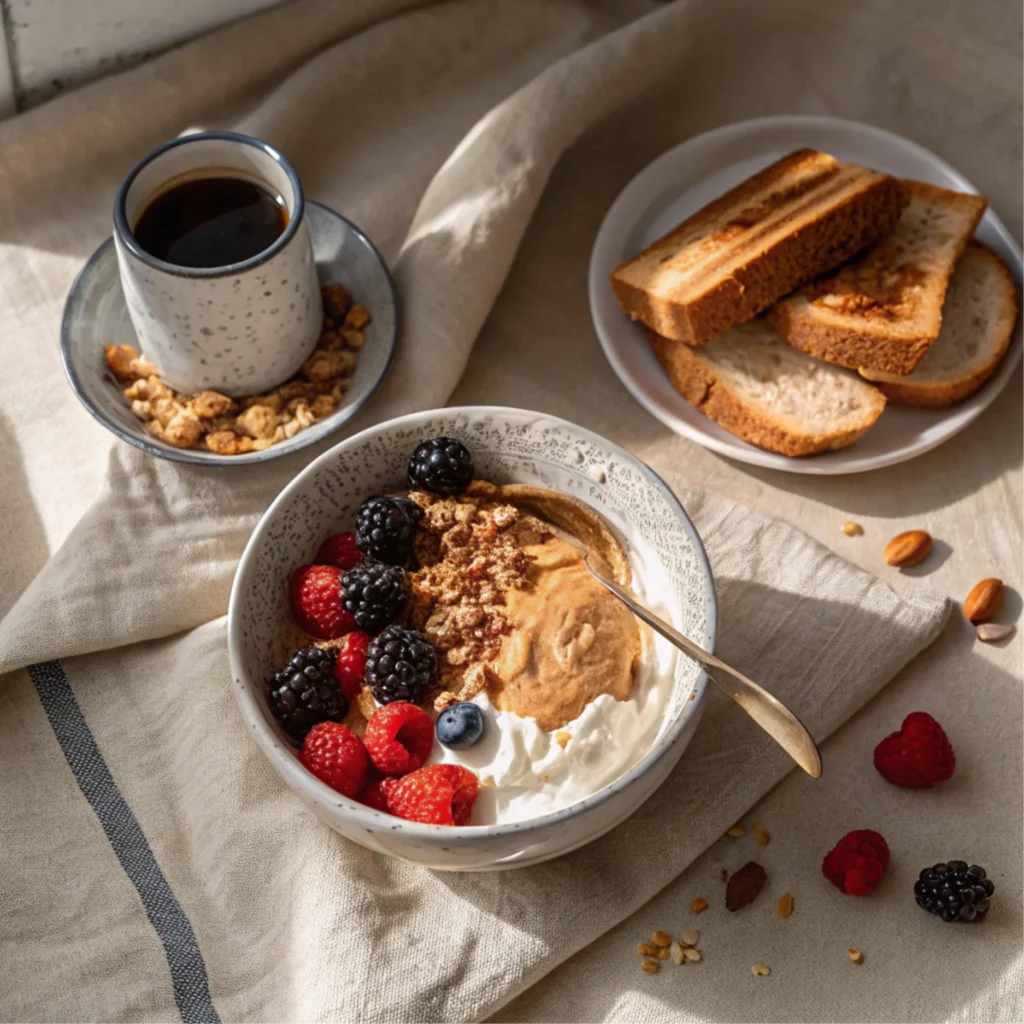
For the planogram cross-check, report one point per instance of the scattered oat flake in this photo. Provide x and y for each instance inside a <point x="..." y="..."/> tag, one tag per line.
<point x="699" y="905"/>
<point x="661" y="939"/>
<point x="761" y="970"/>
<point x="676" y="952"/>
<point x="690" y="938"/>
<point x="761" y="835"/>
<point x="691" y="954"/>
<point x="785" y="905"/>
<point x="736" y="831"/>
<point x="856" y="956"/>
<point x="723" y="875"/>
<point x="852" y="529"/>
<point x="650" y="966"/>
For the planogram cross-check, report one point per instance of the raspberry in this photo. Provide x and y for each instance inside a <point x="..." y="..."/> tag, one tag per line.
<point x="339" y="550"/>
<point x="398" y="738"/>
<point x="373" y="795"/>
<point x="918" y="756"/>
<point x="333" y="753"/>
<point x="440" y="794"/>
<point x="385" y="528"/>
<point x="350" y="668"/>
<point x="315" y="595"/>
<point x="857" y="863"/>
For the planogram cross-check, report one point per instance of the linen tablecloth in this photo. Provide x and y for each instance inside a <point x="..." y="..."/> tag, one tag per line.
<point x="151" y="864"/>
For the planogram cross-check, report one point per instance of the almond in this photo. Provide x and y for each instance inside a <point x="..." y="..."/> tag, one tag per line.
<point x="984" y="600"/>
<point x="907" y="549"/>
<point x="993" y="632"/>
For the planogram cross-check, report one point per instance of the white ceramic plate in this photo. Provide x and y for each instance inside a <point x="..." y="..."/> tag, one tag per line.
<point x="687" y="177"/>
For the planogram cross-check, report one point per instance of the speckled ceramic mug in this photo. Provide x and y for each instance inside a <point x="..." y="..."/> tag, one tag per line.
<point x="238" y="329"/>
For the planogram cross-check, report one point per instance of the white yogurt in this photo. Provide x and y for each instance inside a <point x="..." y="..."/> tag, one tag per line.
<point x="525" y="772"/>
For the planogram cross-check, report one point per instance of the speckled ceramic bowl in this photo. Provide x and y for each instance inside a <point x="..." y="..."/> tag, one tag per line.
<point x="95" y="315"/>
<point x="508" y="445"/>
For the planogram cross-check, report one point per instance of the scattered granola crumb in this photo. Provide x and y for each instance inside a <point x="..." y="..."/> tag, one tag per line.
<point x="562" y="738"/>
<point x="761" y="970"/>
<point x="690" y="938"/>
<point x="691" y="954"/>
<point x="761" y="835"/>
<point x="852" y="529"/>
<point x="785" y="907"/>
<point x="662" y="953"/>
<point x="646" y="949"/>
<point x="736" y="831"/>
<point x="213" y="421"/>
<point x="723" y="875"/>
<point x="856" y="956"/>
<point x="676" y="951"/>
<point x="699" y="905"/>
<point x="650" y="966"/>
<point x="661" y="939"/>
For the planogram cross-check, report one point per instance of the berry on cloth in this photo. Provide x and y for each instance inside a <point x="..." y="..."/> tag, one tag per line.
<point x="315" y="595"/>
<point x="375" y="594"/>
<point x="385" y="528"/>
<point x="439" y="794"/>
<point x="401" y="664"/>
<point x="460" y="726"/>
<point x="305" y="692"/>
<point x="857" y="862"/>
<point x="919" y="755"/>
<point x="340" y="551"/>
<point x="954" y="891"/>
<point x="350" y="666"/>
<point x="398" y="738"/>
<point x="333" y="753"/>
<point x="441" y="466"/>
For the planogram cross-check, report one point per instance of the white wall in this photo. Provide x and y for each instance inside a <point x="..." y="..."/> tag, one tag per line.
<point x="49" y="45"/>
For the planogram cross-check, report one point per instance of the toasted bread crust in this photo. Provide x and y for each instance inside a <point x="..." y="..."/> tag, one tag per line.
<point x="940" y="394"/>
<point x="694" y="380"/>
<point x="808" y="251"/>
<point x="846" y="348"/>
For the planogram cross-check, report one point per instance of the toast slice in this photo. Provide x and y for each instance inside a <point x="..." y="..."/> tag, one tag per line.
<point x="769" y="394"/>
<point x="977" y="323"/>
<point x="884" y="310"/>
<point x="798" y="218"/>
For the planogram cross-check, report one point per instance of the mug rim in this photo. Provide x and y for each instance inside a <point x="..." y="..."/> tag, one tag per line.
<point x="124" y="234"/>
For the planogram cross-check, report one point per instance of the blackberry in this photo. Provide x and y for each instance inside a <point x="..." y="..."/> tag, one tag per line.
<point x="305" y="692"/>
<point x="385" y="528"/>
<point x="441" y="466"/>
<point x="374" y="594"/>
<point x="954" y="891"/>
<point x="401" y="664"/>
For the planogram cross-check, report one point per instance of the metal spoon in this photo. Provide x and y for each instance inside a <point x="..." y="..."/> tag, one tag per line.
<point x="771" y="714"/>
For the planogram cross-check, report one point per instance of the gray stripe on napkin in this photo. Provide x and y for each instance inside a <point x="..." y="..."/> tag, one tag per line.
<point x="188" y="971"/>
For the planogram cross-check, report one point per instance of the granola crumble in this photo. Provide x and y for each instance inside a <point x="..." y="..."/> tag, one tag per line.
<point x="228" y="426"/>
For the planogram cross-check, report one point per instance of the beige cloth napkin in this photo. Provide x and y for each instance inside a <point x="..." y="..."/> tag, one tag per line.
<point x="151" y="864"/>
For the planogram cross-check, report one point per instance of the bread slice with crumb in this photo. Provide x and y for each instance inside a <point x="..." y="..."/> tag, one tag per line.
<point x="764" y="391"/>
<point x="796" y="219"/>
<point x="978" y="318"/>
<point x="883" y="310"/>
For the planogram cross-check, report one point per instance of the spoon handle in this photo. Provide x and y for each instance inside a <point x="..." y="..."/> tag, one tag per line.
<point x="771" y="714"/>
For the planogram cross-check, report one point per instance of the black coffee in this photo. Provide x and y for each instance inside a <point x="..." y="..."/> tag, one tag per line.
<point x="211" y="222"/>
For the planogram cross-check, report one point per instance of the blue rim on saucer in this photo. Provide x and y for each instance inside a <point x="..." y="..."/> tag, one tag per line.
<point x="95" y="315"/>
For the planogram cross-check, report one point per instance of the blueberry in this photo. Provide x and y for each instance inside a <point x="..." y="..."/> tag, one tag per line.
<point x="460" y="726"/>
